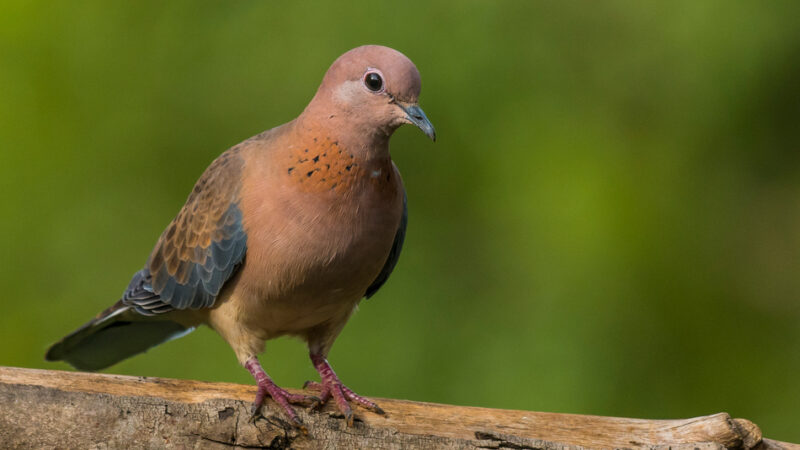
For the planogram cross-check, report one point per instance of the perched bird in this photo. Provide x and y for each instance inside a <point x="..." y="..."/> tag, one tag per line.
<point x="283" y="234"/>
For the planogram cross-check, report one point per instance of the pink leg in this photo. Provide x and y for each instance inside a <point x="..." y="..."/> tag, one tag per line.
<point x="281" y="397"/>
<point x="332" y="387"/>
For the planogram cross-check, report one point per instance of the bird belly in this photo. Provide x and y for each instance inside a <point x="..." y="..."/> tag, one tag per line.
<point x="311" y="259"/>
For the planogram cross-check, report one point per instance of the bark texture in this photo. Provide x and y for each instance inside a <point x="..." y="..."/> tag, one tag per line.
<point x="54" y="409"/>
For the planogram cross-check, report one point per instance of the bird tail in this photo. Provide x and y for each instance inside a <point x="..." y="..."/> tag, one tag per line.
<point x="115" y="334"/>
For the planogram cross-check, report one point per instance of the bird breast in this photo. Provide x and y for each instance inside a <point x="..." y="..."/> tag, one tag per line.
<point x="319" y="226"/>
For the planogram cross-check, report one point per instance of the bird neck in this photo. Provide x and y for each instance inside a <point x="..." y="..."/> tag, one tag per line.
<point x="323" y="157"/>
<point x="359" y="141"/>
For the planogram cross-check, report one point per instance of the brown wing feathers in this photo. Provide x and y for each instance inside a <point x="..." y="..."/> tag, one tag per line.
<point x="199" y="250"/>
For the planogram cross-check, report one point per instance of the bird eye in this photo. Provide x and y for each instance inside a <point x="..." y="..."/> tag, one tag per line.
<point x="373" y="81"/>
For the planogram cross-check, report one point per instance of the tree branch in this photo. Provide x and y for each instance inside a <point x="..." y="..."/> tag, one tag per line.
<point x="42" y="408"/>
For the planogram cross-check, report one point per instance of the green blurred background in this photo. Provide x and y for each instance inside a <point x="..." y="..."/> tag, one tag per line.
<point x="609" y="223"/>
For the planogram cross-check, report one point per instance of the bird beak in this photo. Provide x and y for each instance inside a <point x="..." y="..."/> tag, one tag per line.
<point x="416" y="116"/>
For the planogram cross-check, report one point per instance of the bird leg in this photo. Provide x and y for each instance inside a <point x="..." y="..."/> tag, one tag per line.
<point x="332" y="387"/>
<point x="281" y="397"/>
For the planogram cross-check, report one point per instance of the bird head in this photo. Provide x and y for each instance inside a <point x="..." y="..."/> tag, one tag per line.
<point x="373" y="88"/>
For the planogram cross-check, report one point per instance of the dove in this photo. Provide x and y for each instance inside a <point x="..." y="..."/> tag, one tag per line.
<point x="283" y="235"/>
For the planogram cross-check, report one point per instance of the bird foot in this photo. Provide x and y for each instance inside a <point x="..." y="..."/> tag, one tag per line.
<point x="347" y="393"/>
<point x="331" y="386"/>
<point x="283" y="398"/>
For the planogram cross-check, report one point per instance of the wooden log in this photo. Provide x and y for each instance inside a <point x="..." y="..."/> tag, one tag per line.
<point x="55" y="409"/>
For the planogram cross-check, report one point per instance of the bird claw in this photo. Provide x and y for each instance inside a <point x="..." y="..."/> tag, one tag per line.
<point x="343" y="396"/>
<point x="361" y="401"/>
<point x="349" y="418"/>
<point x="330" y="387"/>
<point x="283" y="399"/>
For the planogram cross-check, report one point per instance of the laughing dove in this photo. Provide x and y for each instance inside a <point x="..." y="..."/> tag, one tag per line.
<point x="283" y="234"/>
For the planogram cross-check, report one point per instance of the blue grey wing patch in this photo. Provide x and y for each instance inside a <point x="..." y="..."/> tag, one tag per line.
<point x="394" y="253"/>
<point x="194" y="284"/>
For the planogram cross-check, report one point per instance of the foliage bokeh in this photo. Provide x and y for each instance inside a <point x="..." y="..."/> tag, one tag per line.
<point x="609" y="223"/>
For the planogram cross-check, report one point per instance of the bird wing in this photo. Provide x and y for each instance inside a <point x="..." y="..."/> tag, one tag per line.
<point x="200" y="250"/>
<point x="394" y="253"/>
